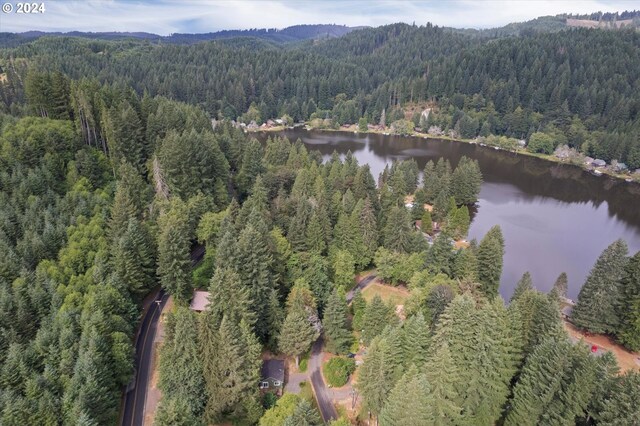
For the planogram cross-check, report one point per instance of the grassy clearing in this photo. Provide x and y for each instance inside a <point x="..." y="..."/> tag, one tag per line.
<point x="395" y="295"/>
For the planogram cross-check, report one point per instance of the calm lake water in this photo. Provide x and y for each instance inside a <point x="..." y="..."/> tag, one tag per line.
<point x="555" y="218"/>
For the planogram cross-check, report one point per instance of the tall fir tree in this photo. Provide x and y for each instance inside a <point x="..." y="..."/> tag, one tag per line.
<point x="255" y="268"/>
<point x="133" y="258"/>
<point x="344" y="270"/>
<point x="490" y="261"/>
<point x="375" y="377"/>
<point x="338" y="338"/>
<point x="443" y="377"/>
<point x="629" y="330"/>
<point x="597" y="307"/>
<point x="525" y="283"/>
<point x="358" y="308"/>
<point x="231" y="367"/>
<point x="377" y="316"/>
<point x="303" y="415"/>
<point x="180" y="368"/>
<point x="560" y="287"/>
<point x="402" y="410"/>
<point x="297" y="334"/>
<point x="397" y="230"/>
<point x="555" y="385"/>
<point x="174" y="260"/>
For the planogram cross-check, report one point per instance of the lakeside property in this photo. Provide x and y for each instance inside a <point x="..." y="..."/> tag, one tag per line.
<point x="598" y="170"/>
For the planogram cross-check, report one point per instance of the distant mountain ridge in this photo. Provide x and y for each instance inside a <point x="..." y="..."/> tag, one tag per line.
<point x="286" y="35"/>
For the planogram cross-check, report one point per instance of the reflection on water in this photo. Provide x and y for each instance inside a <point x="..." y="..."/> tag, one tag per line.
<point x="554" y="217"/>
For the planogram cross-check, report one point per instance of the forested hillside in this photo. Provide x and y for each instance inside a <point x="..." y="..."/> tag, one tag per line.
<point x="112" y="169"/>
<point x="286" y="35"/>
<point x="578" y="86"/>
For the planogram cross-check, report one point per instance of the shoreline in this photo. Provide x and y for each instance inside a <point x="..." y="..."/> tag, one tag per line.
<point x="418" y="135"/>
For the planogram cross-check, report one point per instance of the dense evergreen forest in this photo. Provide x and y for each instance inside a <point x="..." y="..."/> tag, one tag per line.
<point x="578" y="86"/>
<point x="111" y="170"/>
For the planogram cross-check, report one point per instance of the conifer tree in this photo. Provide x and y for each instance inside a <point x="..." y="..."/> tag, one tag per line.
<point x="344" y="270"/>
<point x="181" y="371"/>
<point x="560" y="287"/>
<point x="377" y="316"/>
<point x="304" y="415"/>
<point x="231" y="367"/>
<point x="443" y="377"/>
<point x="397" y="230"/>
<point x="255" y="263"/>
<point x="296" y="233"/>
<point x="125" y="135"/>
<point x="297" y="334"/>
<point x="375" y="377"/>
<point x="490" y="260"/>
<point x="525" y="283"/>
<point x="416" y="341"/>
<point x="174" y="260"/>
<point x="338" y="338"/>
<point x="401" y="410"/>
<point x="344" y="234"/>
<point x="440" y="207"/>
<point x="597" y="307"/>
<point x="193" y="162"/>
<point x="623" y="406"/>
<point x="130" y="199"/>
<point x="315" y="238"/>
<point x="133" y="259"/>
<point x="364" y="217"/>
<point x="629" y="330"/>
<point x="358" y="307"/>
<point x="466" y="181"/>
<point x="426" y="224"/>
<point x="555" y="386"/>
<point x="465" y="265"/>
<point x="90" y="391"/>
<point x="226" y="286"/>
<point x="440" y="256"/>
<point x="251" y="166"/>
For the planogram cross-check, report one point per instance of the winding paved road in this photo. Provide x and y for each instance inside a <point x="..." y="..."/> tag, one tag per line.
<point x="136" y="393"/>
<point x="325" y="403"/>
<point x="327" y="410"/>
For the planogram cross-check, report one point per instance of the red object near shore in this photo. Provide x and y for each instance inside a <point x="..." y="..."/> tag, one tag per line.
<point x="594" y="348"/>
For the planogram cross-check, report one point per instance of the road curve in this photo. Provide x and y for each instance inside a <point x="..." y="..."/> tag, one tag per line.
<point x="361" y="285"/>
<point x="136" y="393"/>
<point x="327" y="410"/>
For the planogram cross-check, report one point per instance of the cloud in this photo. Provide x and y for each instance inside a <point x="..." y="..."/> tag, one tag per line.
<point x="197" y="16"/>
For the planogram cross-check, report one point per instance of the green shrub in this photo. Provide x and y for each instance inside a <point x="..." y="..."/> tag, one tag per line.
<point x="269" y="400"/>
<point x="338" y="370"/>
<point x="304" y="363"/>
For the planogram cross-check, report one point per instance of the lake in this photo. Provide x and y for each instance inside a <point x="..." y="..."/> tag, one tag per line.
<point x="555" y="217"/>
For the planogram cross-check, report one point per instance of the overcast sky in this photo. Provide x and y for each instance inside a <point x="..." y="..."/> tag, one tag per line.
<point x="199" y="16"/>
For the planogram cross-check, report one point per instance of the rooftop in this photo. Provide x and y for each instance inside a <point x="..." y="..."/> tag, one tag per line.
<point x="273" y="369"/>
<point x="200" y="301"/>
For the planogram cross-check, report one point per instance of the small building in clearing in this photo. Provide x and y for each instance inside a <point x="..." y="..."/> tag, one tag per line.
<point x="200" y="301"/>
<point x="272" y="376"/>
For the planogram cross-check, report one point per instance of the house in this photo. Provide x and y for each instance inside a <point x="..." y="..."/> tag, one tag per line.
<point x="200" y="301"/>
<point x="621" y="167"/>
<point x="588" y="161"/>
<point x="272" y="376"/>
<point x="599" y="163"/>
